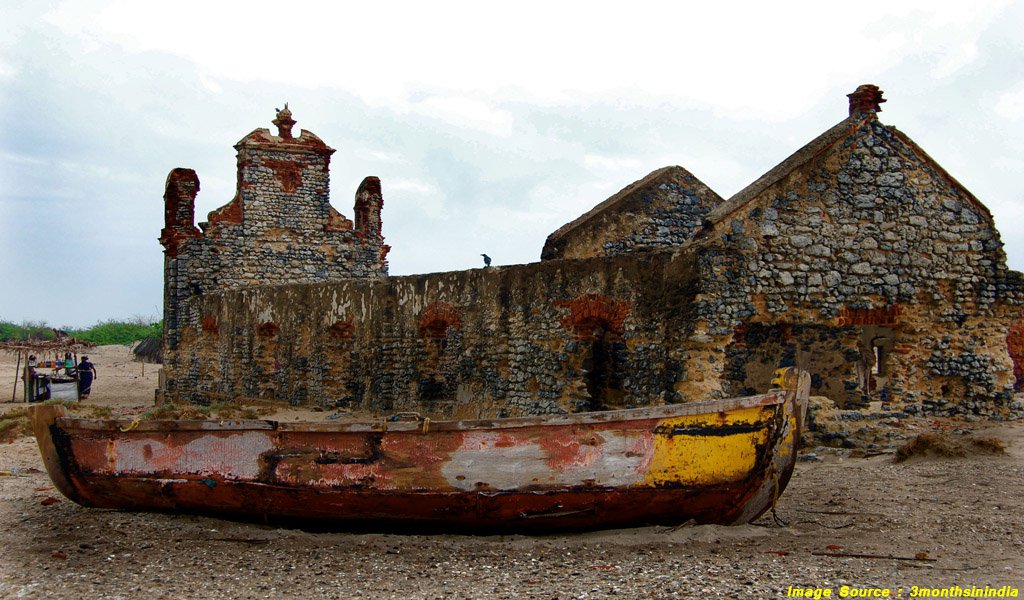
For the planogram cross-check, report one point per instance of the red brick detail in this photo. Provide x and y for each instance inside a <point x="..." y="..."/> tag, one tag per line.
<point x="209" y="324"/>
<point x="370" y="185"/>
<point x="437" y="318"/>
<point x="229" y="213"/>
<point x="172" y="239"/>
<point x="337" y="221"/>
<point x="369" y="202"/>
<point x="1015" y="346"/>
<point x="267" y="329"/>
<point x="232" y="211"/>
<point x="342" y="330"/>
<point x="179" y="210"/>
<point x="305" y="142"/>
<point x="739" y="334"/>
<point x="867" y="99"/>
<point x="590" y="312"/>
<point x="284" y="122"/>
<point x="288" y="173"/>
<point x="887" y="316"/>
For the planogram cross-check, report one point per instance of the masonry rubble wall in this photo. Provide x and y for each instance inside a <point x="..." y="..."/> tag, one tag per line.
<point x="863" y="261"/>
<point x="870" y="234"/>
<point x="280" y="227"/>
<point x="552" y="337"/>
<point x="858" y="258"/>
<point x="663" y="210"/>
<point x="1015" y="345"/>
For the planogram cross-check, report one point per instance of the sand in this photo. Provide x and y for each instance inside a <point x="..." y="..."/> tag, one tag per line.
<point x="870" y="524"/>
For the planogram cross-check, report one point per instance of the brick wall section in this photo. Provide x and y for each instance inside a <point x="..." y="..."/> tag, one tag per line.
<point x="278" y="229"/>
<point x="482" y="343"/>
<point x="664" y="209"/>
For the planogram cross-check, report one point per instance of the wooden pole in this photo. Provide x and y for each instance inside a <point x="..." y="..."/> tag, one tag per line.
<point x="17" y="371"/>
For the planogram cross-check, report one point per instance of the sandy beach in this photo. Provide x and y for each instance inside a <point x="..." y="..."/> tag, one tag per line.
<point x="850" y="517"/>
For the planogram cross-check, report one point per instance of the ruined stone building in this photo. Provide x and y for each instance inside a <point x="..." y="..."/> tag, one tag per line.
<point x="279" y="229"/>
<point x="857" y="258"/>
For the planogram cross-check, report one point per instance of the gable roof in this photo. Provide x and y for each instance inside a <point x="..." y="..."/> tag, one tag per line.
<point x="817" y="146"/>
<point x="925" y="157"/>
<point x="658" y="176"/>
<point x="812" y="149"/>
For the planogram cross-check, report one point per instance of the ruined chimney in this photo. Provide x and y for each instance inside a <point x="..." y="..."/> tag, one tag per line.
<point x="865" y="101"/>
<point x="369" y="202"/>
<point x="284" y="123"/>
<point x="179" y="209"/>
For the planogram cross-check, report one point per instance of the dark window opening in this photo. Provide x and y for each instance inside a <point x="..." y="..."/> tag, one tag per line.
<point x="603" y="372"/>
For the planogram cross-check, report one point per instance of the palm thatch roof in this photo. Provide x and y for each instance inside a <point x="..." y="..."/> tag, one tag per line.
<point x="149" y="350"/>
<point x="31" y="346"/>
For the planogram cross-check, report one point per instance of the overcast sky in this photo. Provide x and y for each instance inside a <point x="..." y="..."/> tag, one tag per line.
<point x="489" y="127"/>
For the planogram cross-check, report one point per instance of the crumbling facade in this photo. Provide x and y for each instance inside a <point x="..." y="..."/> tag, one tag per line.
<point x="858" y="258"/>
<point x="667" y="208"/>
<point x="545" y="338"/>
<point x="280" y="229"/>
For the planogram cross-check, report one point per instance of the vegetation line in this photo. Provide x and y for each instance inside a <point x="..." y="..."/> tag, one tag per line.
<point x="102" y="334"/>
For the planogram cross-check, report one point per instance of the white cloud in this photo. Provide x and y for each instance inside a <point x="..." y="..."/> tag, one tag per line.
<point x="105" y="173"/>
<point x="709" y="54"/>
<point x="21" y="159"/>
<point x="954" y="59"/>
<point x="413" y="186"/>
<point x="381" y="156"/>
<point x="7" y="70"/>
<point x="467" y="113"/>
<point x="1011" y="105"/>
<point x="608" y="164"/>
<point x="413" y="194"/>
<point x="209" y="83"/>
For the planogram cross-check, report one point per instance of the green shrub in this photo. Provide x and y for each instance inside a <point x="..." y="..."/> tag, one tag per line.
<point x="118" y="332"/>
<point x="101" y="334"/>
<point x="28" y="329"/>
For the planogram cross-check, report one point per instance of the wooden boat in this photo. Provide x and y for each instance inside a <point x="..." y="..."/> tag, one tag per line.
<point x="717" y="461"/>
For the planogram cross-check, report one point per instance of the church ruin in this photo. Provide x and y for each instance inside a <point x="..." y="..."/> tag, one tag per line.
<point x="857" y="258"/>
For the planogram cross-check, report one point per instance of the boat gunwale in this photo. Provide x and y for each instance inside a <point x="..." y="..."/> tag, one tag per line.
<point x="771" y="398"/>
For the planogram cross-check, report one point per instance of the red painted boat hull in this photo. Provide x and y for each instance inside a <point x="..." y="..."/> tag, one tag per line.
<point x="723" y="461"/>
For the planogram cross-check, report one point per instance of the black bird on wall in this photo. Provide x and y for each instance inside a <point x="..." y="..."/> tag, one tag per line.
<point x="487" y="260"/>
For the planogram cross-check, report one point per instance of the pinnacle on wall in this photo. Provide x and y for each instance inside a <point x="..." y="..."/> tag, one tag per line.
<point x="284" y="122"/>
<point x="865" y="100"/>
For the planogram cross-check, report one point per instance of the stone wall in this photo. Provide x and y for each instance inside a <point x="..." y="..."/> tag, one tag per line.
<point x="1015" y="346"/>
<point x="280" y="227"/>
<point x="664" y="209"/>
<point x="552" y="337"/>
<point x="858" y="258"/>
<point x="871" y="230"/>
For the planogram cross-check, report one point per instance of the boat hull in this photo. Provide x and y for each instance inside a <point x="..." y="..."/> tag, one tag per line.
<point x="723" y="461"/>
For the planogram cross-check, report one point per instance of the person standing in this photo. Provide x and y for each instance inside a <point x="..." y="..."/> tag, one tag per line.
<point x="30" y="377"/>
<point x="86" y="375"/>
